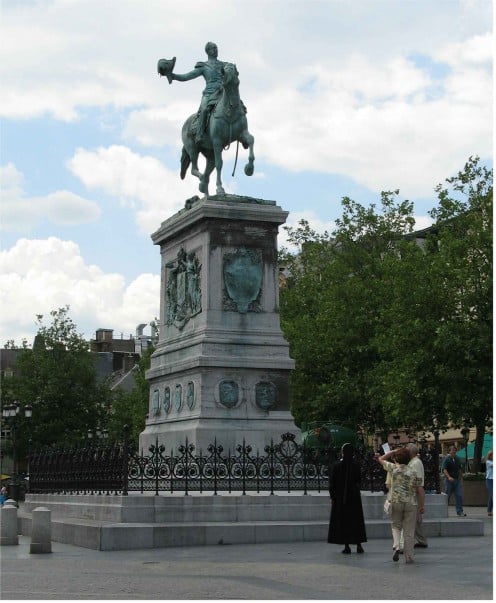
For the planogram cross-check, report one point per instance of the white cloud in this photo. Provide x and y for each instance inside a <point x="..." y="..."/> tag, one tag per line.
<point x="37" y="276"/>
<point x="157" y="126"/>
<point x="473" y="51"/>
<point x="422" y="222"/>
<point x="22" y="214"/>
<point x="378" y="124"/>
<point x="11" y="180"/>
<point x="141" y="181"/>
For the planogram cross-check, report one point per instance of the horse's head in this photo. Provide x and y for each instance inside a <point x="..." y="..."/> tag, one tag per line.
<point x="230" y="75"/>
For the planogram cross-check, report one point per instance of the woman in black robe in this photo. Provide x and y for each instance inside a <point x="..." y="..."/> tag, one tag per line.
<point x="347" y="525"/>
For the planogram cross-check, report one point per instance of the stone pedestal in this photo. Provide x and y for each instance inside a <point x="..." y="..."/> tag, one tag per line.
<point x="221" y="367"/>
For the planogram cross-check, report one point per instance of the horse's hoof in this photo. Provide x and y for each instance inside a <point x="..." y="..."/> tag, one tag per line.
<point x="249" y="169"/>
<point x="220" y="190"/>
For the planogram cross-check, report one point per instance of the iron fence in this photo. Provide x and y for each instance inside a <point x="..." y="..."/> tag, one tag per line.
<point x="118" y="469"/>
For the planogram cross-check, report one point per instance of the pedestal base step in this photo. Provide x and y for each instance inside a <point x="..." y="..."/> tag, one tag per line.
<point x="107" y="536"/>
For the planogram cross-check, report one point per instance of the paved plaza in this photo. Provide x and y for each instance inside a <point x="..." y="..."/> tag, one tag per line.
<point x="451" y="568"/>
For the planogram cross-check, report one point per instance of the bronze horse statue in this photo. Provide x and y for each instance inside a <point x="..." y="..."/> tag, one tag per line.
<point x="227" y="123"/>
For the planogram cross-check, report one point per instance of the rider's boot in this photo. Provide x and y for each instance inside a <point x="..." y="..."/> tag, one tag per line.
<point x="200" y="127"/>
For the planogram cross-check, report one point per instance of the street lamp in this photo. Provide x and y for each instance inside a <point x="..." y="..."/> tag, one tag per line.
<point x="10" y="413"/>
<point x="465" y="434"/>
<point x="435" y="423"/>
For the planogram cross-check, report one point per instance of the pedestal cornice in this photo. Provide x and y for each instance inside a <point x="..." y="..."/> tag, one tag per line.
<point x="222" y="207"/>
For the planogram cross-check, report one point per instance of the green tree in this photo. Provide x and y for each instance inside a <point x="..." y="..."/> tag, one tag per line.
<point x="436" y="337"/>
<point x="330" y="309"/>
<point x="58" y="378"/>
<point x="388" y="332"/>
<point x="406" y="383"/>
<point x="464" y="229"/>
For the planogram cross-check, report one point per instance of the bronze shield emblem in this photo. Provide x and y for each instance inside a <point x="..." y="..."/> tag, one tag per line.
<point x="243" y="277"/>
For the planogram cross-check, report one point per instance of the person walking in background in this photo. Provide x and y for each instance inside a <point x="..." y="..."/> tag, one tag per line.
<point x="407" y="497"/>
<point x="489" y="482"/>
<point x="3" y="495"/>
<point x="453" y="473"/>
<point x="417" y="466"/>
<point x="347" y="525"/>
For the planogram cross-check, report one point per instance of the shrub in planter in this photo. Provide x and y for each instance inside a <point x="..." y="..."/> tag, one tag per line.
<point x="474" y="477"/>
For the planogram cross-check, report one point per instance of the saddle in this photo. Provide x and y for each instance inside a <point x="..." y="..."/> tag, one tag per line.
<point x="212" y="103"/>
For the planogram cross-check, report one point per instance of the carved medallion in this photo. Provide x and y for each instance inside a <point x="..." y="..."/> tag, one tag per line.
<point x="183" y="295"/>
<point x="190" y="395"/>
<point x="155" y="402"/>
<point x="167" y="400"/>
<point x="265" y="395"/>
<point x="228" y="393"/>
<point x="178" y="397"/>
<point x="242" y="272"/>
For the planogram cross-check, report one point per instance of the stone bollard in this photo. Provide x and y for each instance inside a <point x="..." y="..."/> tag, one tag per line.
<point x="8" y="523"/>
<point x="41" y="531"/>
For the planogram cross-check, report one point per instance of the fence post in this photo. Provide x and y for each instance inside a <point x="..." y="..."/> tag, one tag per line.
<point x="125" y="461"/>
<point x="436" y="462"/>
<point x="304" y="454"/>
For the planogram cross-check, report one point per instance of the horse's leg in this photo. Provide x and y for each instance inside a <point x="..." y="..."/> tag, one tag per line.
<point x="204" y="180"/>
<point x="203" y="186"/>
<point x="191" y="150"/>
<point x="194" y="162"/>
<point x="248" y="141"/>
<point x="218" y="167"/>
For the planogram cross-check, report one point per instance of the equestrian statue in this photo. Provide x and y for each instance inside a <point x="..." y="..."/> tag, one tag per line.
<point x="220" y="120"/>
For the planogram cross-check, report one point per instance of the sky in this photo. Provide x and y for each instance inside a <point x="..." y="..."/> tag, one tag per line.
<point x="344" y="99"/>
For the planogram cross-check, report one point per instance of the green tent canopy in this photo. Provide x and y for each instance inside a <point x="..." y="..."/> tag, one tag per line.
<point x="487" y="445"/>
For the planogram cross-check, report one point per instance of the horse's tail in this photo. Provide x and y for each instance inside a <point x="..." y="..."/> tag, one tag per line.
<point x="185" y="161"/>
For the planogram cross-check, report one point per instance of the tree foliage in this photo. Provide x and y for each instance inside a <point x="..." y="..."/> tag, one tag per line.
<point x="464" y="219"/>
<point x="57" y="377"/>
<point x="330" y="309"/>
<point x="389" y="331"/>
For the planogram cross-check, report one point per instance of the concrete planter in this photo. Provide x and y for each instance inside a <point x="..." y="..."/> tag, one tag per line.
<point x="474" y="494"/>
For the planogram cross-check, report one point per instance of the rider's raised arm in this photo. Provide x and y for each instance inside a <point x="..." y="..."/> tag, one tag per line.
<point x="184" y="77"/>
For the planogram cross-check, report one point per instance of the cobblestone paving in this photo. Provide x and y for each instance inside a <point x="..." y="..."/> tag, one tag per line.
<point x="451" y="568"/>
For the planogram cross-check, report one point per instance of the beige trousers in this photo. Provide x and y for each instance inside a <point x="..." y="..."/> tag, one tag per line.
<point x="419" y="532"/>
<point x="403" y="517"/>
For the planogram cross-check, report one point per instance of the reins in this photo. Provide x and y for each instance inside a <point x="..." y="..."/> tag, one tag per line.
<point x="236" y="160"/>
<point x="228" y="146"/>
